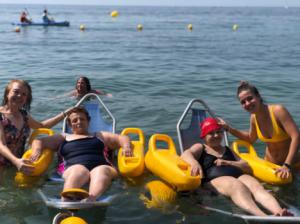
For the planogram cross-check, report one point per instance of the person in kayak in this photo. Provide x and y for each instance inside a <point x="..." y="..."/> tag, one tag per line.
<point x="225" y="173"/>
<point x="46" y="18"/>
<point x="24" y="18"/>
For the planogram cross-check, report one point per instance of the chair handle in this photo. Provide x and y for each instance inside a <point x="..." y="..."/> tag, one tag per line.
<point x="137" y="131"/>
<point x="164" y="138"/>
<point x="240" y="143"/>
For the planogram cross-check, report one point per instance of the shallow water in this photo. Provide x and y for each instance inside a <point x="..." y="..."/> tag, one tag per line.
<point x="152" y="74"/>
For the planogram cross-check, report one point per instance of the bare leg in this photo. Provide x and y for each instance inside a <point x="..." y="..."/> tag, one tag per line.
<point x="76" y="176"/>
<point x="238" y="192"/>
<point x="101" y="177"/>
<point x="262" y="196"/>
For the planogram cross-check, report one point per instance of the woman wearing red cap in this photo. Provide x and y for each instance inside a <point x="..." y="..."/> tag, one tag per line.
<point x="272" y="124"/>
<point x="225" y="172"/>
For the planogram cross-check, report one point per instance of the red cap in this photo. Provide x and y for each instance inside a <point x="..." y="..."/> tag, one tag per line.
<point x="208" y="125"/>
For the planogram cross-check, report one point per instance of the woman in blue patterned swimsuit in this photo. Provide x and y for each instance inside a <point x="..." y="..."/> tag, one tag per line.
<point x="85" y="154"/>
<point x="15" y="125"/>
<point x="225" y="172"/>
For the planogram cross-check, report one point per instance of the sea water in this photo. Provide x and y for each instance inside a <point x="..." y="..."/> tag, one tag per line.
<point x="152" y="75"/>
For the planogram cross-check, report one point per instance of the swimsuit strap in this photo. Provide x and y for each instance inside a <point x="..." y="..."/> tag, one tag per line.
<point x="278" y="134"/>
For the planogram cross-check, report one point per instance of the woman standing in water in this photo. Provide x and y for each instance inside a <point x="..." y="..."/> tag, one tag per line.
<point x="272" y="124"/>
<point x="16" y="124"/>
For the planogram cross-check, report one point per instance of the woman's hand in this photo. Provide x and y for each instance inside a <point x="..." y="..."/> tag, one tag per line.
<point x="25" y="166"/>
<point x="223" y="124"/>
<point x="283" y="172"/>
<point x="222" y="162"/>
<point x="196" y="169"/>
<point x="127" y="150"/>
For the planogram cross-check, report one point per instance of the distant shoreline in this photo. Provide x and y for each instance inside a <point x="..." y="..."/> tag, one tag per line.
<point x="154" y="5"/>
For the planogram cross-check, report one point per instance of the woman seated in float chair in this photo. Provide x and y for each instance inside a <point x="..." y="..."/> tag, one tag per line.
<point x="85" y="154"/>
<point x="226" y="173"/>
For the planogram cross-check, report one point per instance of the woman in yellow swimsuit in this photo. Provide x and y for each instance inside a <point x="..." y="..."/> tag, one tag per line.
<point x="272" y="124"/>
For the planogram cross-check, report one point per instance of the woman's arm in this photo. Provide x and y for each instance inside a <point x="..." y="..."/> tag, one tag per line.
<point x="49" y="122"/>
<point x="240" y="163"/>
<point x="50" y="142"/>
<point x="115" y="141"/>
<point x="101" y="92"/>
<point x="21" y="164"/>
<point x="248" y="136"/>
<point x="289" y="125"/>
<point x="191" y="155"/>
<point x="71" y="93"/>
<point x="5" y="151"/>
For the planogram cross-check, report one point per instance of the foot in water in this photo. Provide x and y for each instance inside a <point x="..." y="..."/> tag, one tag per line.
<point x="284" y="212"/>
<point x="90" y="198"/>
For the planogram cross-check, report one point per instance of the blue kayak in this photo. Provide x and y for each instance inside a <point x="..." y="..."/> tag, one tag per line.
<point x="63" y="23"/>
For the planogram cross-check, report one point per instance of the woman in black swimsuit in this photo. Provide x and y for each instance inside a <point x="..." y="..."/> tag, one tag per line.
<point x="225" y="172"/>
<point x="85" y="154"/>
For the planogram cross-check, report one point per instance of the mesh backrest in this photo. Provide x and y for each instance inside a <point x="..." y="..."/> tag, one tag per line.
<point x="97" y="122"/>
<point x="191" y="135"/>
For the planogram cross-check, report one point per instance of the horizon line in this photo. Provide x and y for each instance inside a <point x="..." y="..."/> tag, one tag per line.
<point x="155" y="5"/>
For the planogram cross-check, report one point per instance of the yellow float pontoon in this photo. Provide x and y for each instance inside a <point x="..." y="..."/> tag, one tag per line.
<point x="262" y="169"/>
<point x="166" y="164"/>
<point x="133" y="166"/>
<point x="41" y="165"/>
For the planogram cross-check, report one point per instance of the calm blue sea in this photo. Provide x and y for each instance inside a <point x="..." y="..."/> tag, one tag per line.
<point x="152" y="74"/>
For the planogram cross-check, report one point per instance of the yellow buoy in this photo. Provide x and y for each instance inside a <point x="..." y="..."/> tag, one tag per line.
<point x="158" y="194"/>
<point x="235" y="27"/>
<point x="73" y="220"/>
<point x="82" y="27"/>
<point x="17" y="29"/>
<point x="140" y="27"/>
<point x="114" y="13"/>
<point x="190" y="27"/>
<point x="24" y="181"/>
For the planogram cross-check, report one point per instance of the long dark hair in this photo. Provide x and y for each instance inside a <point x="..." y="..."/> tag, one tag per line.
<point x="26" y="106"/>
<point x="87" y="82"/>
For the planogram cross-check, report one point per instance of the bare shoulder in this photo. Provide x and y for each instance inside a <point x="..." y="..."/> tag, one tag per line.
<point x="60" y="137"/>
<point x="197" y="147"/>
<point x="280" y="111"/>
<point x="107" y="136"/>
<point x="278" y="108"/>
